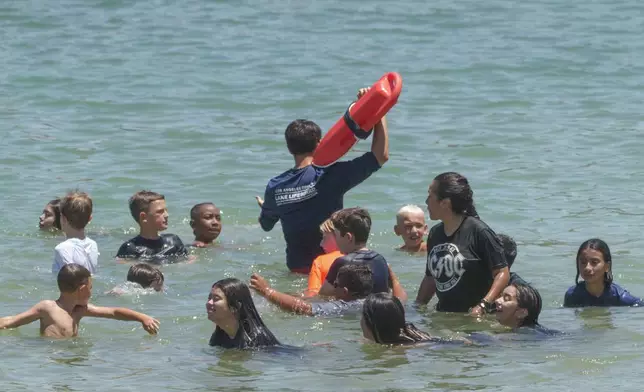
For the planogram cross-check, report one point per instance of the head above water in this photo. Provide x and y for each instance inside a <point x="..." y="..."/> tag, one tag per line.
<point x="50" y="217"/>
<point x="519" y="306"/>
<point x="410" y="225"/>
<point x="205" y="220"/>
<point x="149" y="209"/>
<point x="450" y="193"/>
<point x="328" y="237"/>
<point x="76" y="210"/>
<point x="146" y="275"/>
<point x="594" y="258"/>
<point x="383" y="321"/>
<point x="509" y="248"/>
<point x="352" y="227"/>
<point x="354" y="281"/>
<point x="76" y="281"/>
<point x="230" y="303"/>
<point x="302" y="137"/>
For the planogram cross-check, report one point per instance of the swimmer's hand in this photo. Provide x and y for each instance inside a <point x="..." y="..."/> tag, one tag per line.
<point x="259" y="284"/>
<point x="363" y="91"/>
<point x="151" y="325"/>
<point x="260" y="201"/>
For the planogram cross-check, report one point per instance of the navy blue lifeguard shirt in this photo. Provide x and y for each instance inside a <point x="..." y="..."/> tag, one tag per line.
<point x="304" y="198"/>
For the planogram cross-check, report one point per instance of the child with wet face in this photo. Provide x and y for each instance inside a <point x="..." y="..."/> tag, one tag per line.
<point x="49" y="219"/>
<point x="205" y="220"/>
<point x="594" y="265"/>
<point x="411" y="226"/>
<point x="149" y="210"/>
<point x="60" y="318"/>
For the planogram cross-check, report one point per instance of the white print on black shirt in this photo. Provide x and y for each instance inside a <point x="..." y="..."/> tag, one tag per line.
<point x="295" y="195"/>
<point x="446" y="266"/>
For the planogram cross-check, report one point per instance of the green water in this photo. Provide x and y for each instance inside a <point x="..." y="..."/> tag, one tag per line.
<point x="538" y="103"/>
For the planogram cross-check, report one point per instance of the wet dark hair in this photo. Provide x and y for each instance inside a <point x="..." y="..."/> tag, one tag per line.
<point x="140" y="202"/>
<point x="55" y="205"/>
<point x="453" y="186"/>
<point x="357" y="278"/>
<point x="71" y="277"/>
<point x="252" y="332"/>
<point x="602" y="247"/>
<point x="302" y="136"/>
<point x="384" y="315"/>
<point x="356" y="221"/>
<point x="529" y="299"/>
<point x="509" y="248"/>
<point x="145" y="275"/>
<point x="194" y="211"/>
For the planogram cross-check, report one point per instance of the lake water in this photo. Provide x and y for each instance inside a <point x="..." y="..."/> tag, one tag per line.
<point x="538" y="103"/>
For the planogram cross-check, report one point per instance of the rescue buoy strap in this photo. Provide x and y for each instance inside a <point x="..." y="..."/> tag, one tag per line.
<point x="354" y="127"/>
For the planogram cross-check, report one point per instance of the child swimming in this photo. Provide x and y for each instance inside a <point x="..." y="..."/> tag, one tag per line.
<point x="383" y="321"/>
<point x="149" y="210"/>
<point x="75" y="214"/>
<point x="519" y="307"/>
<point x="49" y="219"/>
<point x="205" y="220"/>
<point x="353" y="283"/>
<point x="146" y="275"/>
<point x="411" y="226"/>
<point x="322" y="263"/>
<point x="594" y="265"/>
<point x="231" y="307"/>
<point x="60" y="318"/>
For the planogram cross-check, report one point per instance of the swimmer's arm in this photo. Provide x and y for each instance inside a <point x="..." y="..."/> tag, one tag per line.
<point x="501" y="279"/>
<point x="23" y="318"/>
<point x="380" y="141"/>
<point x="288" y="302"/>
<point x="284" y="301"/>
<point x="396" y="288"/>
<point x="150" y="324"/>
<point x="426" y="290"/>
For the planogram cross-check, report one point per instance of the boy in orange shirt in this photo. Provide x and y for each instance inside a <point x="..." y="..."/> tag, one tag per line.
<point x="322" y="263"/>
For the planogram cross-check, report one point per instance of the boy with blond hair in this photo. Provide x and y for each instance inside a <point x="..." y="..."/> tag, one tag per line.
<point x="75" y="214"/>
<point x="60" y="318"/>
<point x="411" y="226"/>
<point x="322" y="263"/>
<point x="149" y="210"/>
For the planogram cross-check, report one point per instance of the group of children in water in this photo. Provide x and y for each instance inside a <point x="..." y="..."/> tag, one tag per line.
<point x="468" y="264"/>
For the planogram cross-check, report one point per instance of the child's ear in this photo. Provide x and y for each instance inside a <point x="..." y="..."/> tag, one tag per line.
<point x="397" y="230"/>
<point x="192" y="223"/>
<point x="523" y="313"/>
<point x="142" y="217"/>
<point x="90" y="218"/>
<point x="345" y="292"/>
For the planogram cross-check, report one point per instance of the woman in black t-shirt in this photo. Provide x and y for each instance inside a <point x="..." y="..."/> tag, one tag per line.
<point x="466" y="266"/>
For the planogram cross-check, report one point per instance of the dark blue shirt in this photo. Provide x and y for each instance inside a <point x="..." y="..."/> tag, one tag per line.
<point x="613" y="295"/>
<point x="304" y="198"/>
<point x="378" y="264"/>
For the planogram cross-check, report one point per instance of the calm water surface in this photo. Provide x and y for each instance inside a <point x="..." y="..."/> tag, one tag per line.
<point x="538" y="103"/>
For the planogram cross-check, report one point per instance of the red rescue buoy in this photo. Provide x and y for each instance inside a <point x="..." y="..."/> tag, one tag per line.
<point x="358" y="120"/>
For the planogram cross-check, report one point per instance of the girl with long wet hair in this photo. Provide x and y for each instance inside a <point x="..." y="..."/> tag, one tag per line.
<point x="595" y="266"/>
<point x="231" y="307"/>
<point x="383" y="321"/>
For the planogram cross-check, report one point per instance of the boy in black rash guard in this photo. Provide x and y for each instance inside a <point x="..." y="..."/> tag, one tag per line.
<point x="352" y="227"/>
<point x="303" y="197"/>
<point x="149" y="211"/>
